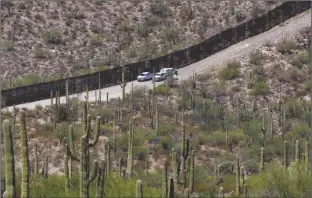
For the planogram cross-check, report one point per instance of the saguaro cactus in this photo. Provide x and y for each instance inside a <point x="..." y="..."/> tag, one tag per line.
<point x="186" y="193"/>
<point x="165" y="179"/>
<point x="184" y="155"/>
<point x="285" y="155"/>
<point x="101" y="180"/>
<point x="130" y="152"/>
<point x="86" y="175"/>
<point x="139" y="189"/>
<point x="25" y="157"/>
<point x="192" y="177"/>
<point x="66" y="171"/>
<point x="157" y="120"/>
<point x="306" y="156"/>
<point x="221" y="192"/>
<point x="171" y="188"/>
<point x="46" y="167"/>
<point x="261" y="160"/>
<point x="10" y="189"/>
<point x="237" y="176"/>
<point x="123" y="83"/>
<point x="297" y="152"/>
<point x="174" y="166"/>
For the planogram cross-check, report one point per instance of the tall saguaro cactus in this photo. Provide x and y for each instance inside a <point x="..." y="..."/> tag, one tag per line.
<point x="165" y="179"/>
<point x="192" y="177"/>
<point x="174" y="166"/>
<point x="184" y="154"/>
<point x="66" y="171"/>
<point x="87" y="174"/>
<point x="10" y="189"/>
<point x="25" y="157"/>
<point x="171" y="188"/>
<point x="237" y="176"/>
<point x="130" y="152"/>
<point x="297" y="151"/>
<point x="261" y="160"/>
<point x="285" y="155"/>
<point x="123" y="83"/>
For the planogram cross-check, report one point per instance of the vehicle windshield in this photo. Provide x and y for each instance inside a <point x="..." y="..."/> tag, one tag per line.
<point x="143" y="74"/>
<point x="158" y="74"/>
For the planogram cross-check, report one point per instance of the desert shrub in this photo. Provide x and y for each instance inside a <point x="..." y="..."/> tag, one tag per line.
<point x="42" y="54"/>
<point x="114" y="187"/>
<point x="203" y="138"/>
<point x="294" y="109"/>
<point x="96" y="40"/>
<point x="211" y="116"/>
<point x="8" y="45"/>
<point x="172" y="35"/>
<point x="259" y="88"/>
<point x="160" y="9"/>
<point x="140" y="153"/>
<point x="67" y="112"/>
<point x="230" y="72"/>
<point x="52" y="36"/>
<point x="300" y="130"/>
<point x="162" y="89"/>
<point x="301" y="59"/>
<point x="286" y="45"/>
<point x="166" y="143"/>
<point x="276" y="181"/>
<point x="252" y="129"/>
<point x="256" y="57"/>
<point x="186" y="12"/>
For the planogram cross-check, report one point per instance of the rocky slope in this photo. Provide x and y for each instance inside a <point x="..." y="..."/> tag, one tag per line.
<point x="52" y="39"/>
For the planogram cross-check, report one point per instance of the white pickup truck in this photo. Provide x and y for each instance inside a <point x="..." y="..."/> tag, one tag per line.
<point x="169" y="72"/>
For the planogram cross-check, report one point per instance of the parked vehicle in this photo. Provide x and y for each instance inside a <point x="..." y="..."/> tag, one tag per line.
<point x="169" y="71"/>
<point x="159" y="76"/>
<point x="145" y="76"/>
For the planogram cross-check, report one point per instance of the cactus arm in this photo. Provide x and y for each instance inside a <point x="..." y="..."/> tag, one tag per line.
<point x="97" y="132"/>
<point x="10" y="190"/>
<point x="83" y="169"/>
<point x="261" y="160"/>
<point x="66" y="171"/>
<point x="72" y="150"/>
<point x="25" y="158"/>
<point x="108" y="157"/>
<point x="94" y="171"/>
<point x="88" y="128"/>
<point x="171" y="188"/>
<point x="186" y="193"/>
<point x="174" y="166"/>
<point x="36" y="166"/>
<point x="139" y="189"/>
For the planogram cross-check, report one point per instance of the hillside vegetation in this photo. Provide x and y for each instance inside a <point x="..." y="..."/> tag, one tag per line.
<point x="46" y="40"/>
<point x="240" y="130"/>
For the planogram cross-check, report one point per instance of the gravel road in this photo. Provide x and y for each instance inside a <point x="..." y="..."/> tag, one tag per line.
<point x="240" y="50"/>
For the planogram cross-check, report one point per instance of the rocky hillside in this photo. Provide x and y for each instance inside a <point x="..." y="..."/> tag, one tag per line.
<point x="52" y="39"/>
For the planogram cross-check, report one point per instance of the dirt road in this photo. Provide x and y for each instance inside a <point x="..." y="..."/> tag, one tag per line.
<point x="240" y="50"/>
